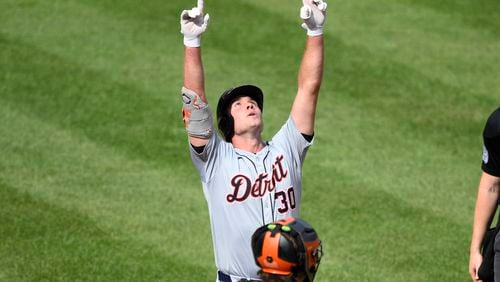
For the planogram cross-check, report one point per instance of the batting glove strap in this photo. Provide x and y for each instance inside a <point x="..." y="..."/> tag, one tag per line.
<point x="313" y="32"/>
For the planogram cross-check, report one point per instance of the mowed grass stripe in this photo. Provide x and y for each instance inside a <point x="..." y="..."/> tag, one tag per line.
<point x="41" y="241"/>
<point x="397" y="135"/>
<point x="86" y="102"/>
<point x="129" y="197"/>
<point x="372" y="235"/>
<point x="434" y="42"/>
<point x="482" y="15"/>
<point x="131" y="49"/>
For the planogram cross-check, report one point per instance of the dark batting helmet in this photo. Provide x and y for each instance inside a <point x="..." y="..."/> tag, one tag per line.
<point x="288" y="247"/>
<point x="225" y="121"/>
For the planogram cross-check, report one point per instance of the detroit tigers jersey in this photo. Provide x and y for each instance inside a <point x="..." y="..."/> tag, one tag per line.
<point x="245" y="191"/>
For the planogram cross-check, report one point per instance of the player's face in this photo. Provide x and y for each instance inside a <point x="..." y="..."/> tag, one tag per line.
<point x="247" y="116"/>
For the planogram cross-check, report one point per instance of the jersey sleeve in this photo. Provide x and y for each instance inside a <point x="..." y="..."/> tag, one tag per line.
<point x="491" y="145"/>
<point x="206" y="161"/>
<point x="290" y="139"/>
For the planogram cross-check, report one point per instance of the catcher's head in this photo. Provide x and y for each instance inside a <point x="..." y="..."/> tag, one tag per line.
<point x="225" y="121"/>
<point x="287" y="248"/>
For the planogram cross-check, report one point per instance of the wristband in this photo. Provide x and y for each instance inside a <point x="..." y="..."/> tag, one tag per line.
<point x="192" y="41"/>
<point x="315" y="32"/>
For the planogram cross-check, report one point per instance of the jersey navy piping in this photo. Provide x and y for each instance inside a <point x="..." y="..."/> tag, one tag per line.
<point x="241" y="156"/>
<point x="271" y="202"/>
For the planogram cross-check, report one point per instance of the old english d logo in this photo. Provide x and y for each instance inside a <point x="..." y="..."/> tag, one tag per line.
<point x="243" y="186"/>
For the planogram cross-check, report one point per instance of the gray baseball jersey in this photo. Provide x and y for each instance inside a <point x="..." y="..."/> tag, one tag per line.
<point x="245" y="191"/>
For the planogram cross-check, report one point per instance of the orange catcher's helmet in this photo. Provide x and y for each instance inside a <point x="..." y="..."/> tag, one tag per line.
<point x="287" y="247"/>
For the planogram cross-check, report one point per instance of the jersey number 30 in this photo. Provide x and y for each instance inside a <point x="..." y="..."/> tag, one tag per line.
<point x="287" y="200"/>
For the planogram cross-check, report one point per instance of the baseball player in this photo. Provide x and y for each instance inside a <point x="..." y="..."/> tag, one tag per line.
<point x="487" y="196"/>
<point x="248" y="182"/>
<point x="288" y="250"/>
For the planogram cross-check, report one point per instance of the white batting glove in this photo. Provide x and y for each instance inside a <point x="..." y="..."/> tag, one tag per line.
<point x="193" y="24"/>
<point x="313" y="13"/>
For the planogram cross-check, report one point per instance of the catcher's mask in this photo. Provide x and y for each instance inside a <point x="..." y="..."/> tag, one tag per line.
<point x="225" y="121"/>
<point x="287" y="247"/>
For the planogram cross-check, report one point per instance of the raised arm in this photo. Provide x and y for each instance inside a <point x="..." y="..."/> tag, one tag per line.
<point x="194" y="77"/>
<point x="196" y="113"/>
<point x="311" y="68"/>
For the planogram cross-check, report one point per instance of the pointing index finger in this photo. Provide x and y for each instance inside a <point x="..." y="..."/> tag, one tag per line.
<point x="201" y="5"/>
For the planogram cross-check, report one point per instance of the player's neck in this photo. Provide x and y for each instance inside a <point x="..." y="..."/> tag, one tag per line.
<point x="249" y="144"/>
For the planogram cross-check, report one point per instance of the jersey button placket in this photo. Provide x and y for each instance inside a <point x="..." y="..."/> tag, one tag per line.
<point x="268" y="209"/>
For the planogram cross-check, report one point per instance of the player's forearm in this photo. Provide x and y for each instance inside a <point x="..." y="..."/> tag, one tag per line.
<point x="194" y="77"/>
<point x="486" y="203"/>
<point x="481" y="220"/>
<point x="311" y="67"/>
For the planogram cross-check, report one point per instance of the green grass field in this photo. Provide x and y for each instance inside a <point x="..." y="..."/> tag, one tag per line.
<point x="96" y="183"/>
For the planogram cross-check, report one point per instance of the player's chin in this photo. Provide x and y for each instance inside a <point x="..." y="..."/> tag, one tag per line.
<point x="257" y="123"/>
